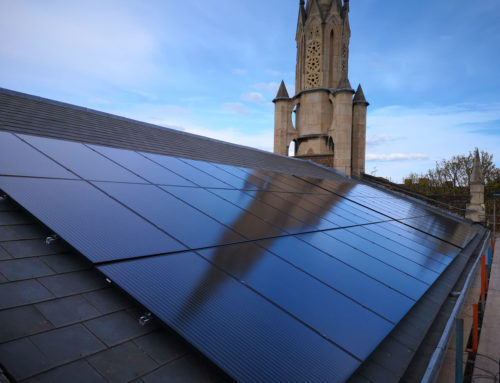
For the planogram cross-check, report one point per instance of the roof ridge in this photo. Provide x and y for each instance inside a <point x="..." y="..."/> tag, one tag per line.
<point x="144" y="124"/>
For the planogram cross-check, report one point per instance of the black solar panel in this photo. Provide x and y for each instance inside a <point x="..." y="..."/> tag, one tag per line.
<point x="96" y="225"/>
<point x="274" y="277"/>
<point x="342" y="275"/>
<point x="412" y="214"/>
<point x="189" y="172"/>
<point x="240" y="220"/>
<point x="81" y="160"/>
<point x="399" y="280"/>
<point x="170" y="214"/>
<point x="242" y="331"/>
<point x="33" y="164"/>
<point x="139" y="164"/>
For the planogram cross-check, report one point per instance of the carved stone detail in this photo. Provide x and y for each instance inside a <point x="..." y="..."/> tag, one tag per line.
<point x="313" y="63"/>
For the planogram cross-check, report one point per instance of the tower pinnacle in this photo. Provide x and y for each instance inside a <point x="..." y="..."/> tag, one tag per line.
<point x="329" y="126"/>
<point x="475" y="210"/>
<point x="476" y="168"/>
<point x="282" y="92"/>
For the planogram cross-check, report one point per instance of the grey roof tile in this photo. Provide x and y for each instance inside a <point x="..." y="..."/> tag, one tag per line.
<point x="370" y="370"/>
<point x="64" y="311"/>
<point x="17" y="232"/>
<point x="33" y="248"/>
<point x="65" y="263"/>
<point x="6" y="204"/>
<point x="61" y="354"/>
<point x="77" y="282"/>
<point x="67" y="344"/>
<point x="20" y="322"/>
<point x="19" y="269"/>
<point x="122" y="363"/>
<point x="108" y="300"/>
<point x="22" y="359"/>
<point x="76" y="372"/>
<point x="3" y="254"/>
<point x="15" y="218"/>
<point x="22" y="293"/>
<point x="163" y="346"/>
<point x="187" y="369"/>
<point x="116" y="328"/>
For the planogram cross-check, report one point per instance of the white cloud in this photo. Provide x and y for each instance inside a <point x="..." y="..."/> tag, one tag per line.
<point x="262" y="140"/>
<point x="271" y="87"/>
<point x="396" y="157"/>
<point x="236" y="107"/>
<point x="378" y="139"/>
<point x="255" y="97"/>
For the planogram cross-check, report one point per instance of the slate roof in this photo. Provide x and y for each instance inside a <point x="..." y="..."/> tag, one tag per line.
<point x="33" y="115"/>
<point x="51" y="294"/>
<point x="61" y="321"/>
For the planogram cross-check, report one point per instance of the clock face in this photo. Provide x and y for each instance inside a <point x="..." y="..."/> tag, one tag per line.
<point x="313" y="64"/>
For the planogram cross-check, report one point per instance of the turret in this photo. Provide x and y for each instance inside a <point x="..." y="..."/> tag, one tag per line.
<point x="323" y="95"/>
<point x="359" y="110"/>
<point x="282" y="121"/>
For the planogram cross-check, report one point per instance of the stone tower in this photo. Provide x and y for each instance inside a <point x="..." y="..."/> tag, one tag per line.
<point x="330" y="125"/>
<point x="475" y="210"/>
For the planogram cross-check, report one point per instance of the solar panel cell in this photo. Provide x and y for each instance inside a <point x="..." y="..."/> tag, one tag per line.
<point x="90" y="221"/>
<point x="82" y="160"/>
<point x="181" y="221"/>
<point x="241" y="331"/>
<point x="142" y="166"/>
<point x="361" y="287"/>
<point x="370" y="245"/>
<point x="322" y="308"/>
<point x="187" y="171"/>
<point x="285" y="222"/>
<point x="383" y="272"/>
<point x="241" y="221"/>
<point x="230" y="179"/>
<point x="19" y="159"/>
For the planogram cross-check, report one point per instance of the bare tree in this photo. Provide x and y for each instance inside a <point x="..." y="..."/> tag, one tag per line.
<point x="456" y="172"/>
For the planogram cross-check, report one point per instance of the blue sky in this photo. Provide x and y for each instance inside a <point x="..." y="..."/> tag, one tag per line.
<point x="430" y="69"/>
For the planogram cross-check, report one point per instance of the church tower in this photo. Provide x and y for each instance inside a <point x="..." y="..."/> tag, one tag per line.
<point x="330" y="118"/>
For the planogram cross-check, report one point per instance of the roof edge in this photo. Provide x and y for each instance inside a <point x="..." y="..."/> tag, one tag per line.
<point x="147" y="124"/>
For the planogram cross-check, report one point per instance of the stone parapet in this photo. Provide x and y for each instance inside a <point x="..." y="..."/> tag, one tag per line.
<point x="325" y="160"/>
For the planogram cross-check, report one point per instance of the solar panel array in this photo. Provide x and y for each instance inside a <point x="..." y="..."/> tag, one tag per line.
<point x="271" y="276"/>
